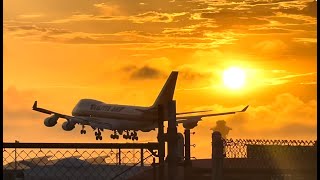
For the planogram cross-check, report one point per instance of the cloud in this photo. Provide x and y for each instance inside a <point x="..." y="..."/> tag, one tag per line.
<point x="146" y="73"/>
<point x="287" y="116"/>
<point x="17" y="105"/>
<point x="309" y="9"/>
<point x="306" y="40"/>
<point x="273" y="45"/>
<point x="155" y="17"/>
<point x="30" y="16"/>
<point x="290" y="78"/>
<point x="108" y="9"/>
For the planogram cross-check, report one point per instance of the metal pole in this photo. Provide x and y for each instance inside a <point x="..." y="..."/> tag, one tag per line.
<point x="161" y="141"/>
<point x="119" y="156"/>
<point x="187" y="147"/>
<point x="15" y="156"/>
<point x="172" y="141"/>
<point x="154" y="169"/>
<point x="217" y="156"/>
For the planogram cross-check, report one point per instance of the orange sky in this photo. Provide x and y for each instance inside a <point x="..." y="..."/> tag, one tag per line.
<point x="121" y="52"/>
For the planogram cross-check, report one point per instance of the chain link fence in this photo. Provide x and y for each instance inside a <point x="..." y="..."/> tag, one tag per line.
<point x="270" y="154"/>
<point x="78" y="163"/>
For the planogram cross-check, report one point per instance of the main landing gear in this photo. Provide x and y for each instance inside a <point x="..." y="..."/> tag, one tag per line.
<point x="133" y="135"/>
<point x="114" y="135"/>
<point x="82" y="130"/>
<point x="98" y="135"/>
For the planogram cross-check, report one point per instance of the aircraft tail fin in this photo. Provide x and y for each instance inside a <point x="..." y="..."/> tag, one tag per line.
<point x="167" y="92"/>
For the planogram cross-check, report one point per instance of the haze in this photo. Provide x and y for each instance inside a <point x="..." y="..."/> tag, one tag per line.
<point x="121" y="52"/>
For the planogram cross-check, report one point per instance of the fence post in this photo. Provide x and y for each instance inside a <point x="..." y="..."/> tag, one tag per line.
<point x="141" y="157"/>
<point x="15" y="156"/>
<point x="187" y="161"/>
<point x="161" y="150"/>
<point x="119" y="156"/>
<point x="154" y="168"/>
<point x="217" y="156"/>
<point x="172" y="141"/>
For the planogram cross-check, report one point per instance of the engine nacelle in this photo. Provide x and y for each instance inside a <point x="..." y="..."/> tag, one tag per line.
<point x="51" y="121"/>
<point x="190" y="124"/>
<point x="68" y="126"/>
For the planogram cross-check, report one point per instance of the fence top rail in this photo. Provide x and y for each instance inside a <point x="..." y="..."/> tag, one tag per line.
<point x="150" y="145"/>
<point x="271" y="142"/>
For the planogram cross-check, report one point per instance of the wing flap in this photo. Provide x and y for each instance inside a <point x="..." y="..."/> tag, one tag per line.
<point x="190" y="112"/>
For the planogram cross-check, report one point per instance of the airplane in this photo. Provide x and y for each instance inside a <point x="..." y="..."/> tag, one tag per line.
<point x="123" y="118"/>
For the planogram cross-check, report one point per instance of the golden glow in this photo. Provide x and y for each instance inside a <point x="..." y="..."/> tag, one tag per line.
<point x="234" y="78"/>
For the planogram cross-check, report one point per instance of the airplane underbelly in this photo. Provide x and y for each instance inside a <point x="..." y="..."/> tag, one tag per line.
<point x="116" y="124"/>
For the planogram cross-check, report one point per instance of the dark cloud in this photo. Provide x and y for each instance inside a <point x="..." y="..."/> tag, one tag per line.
<point x="309" y="10"/>
<point x="129" y="68"/>
<point x="260" y="2"/>
<point x="146" y="72"/>
<point x="26" y="30"/>
<point x="269" y="31"/>
<point x="192" y="75"/>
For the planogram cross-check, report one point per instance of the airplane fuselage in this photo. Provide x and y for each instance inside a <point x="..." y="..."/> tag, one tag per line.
<point x="114" y="117"/>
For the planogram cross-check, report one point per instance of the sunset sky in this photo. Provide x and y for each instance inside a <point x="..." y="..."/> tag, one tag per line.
<point x="122" y="51"/>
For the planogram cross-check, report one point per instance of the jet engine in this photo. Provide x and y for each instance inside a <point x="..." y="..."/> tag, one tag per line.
<point x="190" y="124"/>
<point x="68" y="126"/>
<point x="51" y="121"/>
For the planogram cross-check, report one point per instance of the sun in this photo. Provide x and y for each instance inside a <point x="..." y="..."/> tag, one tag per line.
<point x="234" y="78"/>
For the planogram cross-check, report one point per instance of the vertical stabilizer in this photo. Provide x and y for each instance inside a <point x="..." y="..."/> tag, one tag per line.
<point x="167" y="91"/>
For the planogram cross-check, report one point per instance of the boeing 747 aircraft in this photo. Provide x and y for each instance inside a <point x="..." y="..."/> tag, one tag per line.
<point x="123" y="118"/>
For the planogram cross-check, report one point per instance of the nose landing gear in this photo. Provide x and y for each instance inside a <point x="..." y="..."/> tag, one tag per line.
<point x="82" y="130"/>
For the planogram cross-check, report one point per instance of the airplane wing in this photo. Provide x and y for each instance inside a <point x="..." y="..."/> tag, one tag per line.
<point x="190" y="112"/>
<point x="46" y="111"/>
<point x="183" y="118"/>
<point x="190" y="122"/>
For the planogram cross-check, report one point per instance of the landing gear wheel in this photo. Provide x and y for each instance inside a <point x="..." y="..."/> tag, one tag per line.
<point x="136" y="138"/>
<point x="97" y="138"/>
<point x="96" y="133"/>
<point x="100" y="137"/>
<point x="84" y="131"/>
<point x="81" y="132"/>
